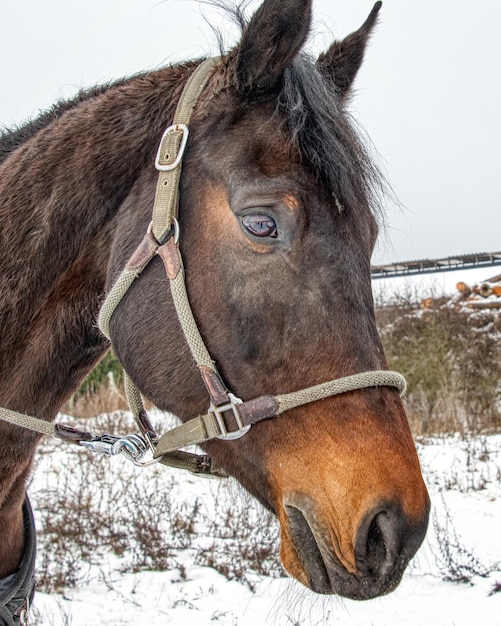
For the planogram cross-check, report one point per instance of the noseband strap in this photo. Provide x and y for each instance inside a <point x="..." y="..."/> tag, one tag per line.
<point x="208" y="426"/>
<point x="228" y="417"/>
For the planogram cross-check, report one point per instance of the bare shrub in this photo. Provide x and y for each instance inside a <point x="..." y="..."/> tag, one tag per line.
<point x="244" y="542"/>
<point x="451" y="358"/>
<point x="456" y="562"/>
<point x="496" y="588"/>
<point x="93" y="507"/>
<point x="474" y="470"/>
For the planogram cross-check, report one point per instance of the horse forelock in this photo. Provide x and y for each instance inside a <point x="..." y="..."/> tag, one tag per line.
<point x="325" y="135"/>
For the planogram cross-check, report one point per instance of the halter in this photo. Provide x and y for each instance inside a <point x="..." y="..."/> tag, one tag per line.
<point x="228" y="417"/>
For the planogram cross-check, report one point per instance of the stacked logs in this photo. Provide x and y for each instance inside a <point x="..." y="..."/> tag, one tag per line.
<point x="486" y="295"/>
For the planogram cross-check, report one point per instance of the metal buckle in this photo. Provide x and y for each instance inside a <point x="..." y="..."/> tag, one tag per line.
<point x="206" y="469"/>
<point x="175" y="128"/>
<point x="218" y="411"/>
<point x="102" y="444"/>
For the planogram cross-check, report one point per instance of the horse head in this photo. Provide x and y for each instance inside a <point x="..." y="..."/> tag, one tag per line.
<point x="278" y="206"/>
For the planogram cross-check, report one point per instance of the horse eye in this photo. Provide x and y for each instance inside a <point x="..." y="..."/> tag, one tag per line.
<point x="260" y="226"/>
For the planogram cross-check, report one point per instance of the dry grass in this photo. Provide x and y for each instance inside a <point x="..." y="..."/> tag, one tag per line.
<point x="89" y="404"/>
<point x="451" y="358"/>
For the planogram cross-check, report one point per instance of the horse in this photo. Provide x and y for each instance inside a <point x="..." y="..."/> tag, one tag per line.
<point x="278" y="216"/>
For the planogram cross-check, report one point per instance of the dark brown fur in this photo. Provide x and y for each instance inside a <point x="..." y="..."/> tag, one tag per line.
<point x="76" y="191"/>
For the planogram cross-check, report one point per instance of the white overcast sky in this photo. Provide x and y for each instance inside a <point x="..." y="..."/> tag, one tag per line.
<point x="429" y="94"/>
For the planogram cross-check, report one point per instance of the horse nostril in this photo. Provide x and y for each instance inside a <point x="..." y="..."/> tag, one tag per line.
<point x="384" y="542"/>
<point x="375" y="547"/>
<point x="385" y="539"/>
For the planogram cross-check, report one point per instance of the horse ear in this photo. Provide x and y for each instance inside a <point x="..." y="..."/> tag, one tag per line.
<point x="343" y="59"/>
<point x="269" y="43"/>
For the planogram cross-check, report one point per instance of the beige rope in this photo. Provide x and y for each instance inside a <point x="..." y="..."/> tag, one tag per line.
<point x="206" y="427"/>
<point x="376" y="378"/>
<point x="188" y="323"/>
<point x="27" y="421"/>
<point x="113" y="299"/>
<point x="133" y="395"/>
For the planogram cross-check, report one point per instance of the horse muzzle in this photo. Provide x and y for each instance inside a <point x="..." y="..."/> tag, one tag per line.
<point x="349" y="494"/>
<point x="369" y="565"/>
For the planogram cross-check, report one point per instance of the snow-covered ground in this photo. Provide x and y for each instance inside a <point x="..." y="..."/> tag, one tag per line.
<point x="463" y="543"/>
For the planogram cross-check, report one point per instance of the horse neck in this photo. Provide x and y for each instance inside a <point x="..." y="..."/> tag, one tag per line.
<point x="60" y="192"/>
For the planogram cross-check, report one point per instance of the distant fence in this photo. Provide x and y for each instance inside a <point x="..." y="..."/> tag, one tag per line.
<point x="431" y="266"/>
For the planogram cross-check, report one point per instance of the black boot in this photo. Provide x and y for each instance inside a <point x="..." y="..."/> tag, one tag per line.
<point x="17" y="590"/>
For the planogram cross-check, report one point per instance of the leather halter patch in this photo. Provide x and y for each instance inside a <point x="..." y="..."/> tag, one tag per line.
<point x="169" y="253"/>
<point x="143" y="253"/>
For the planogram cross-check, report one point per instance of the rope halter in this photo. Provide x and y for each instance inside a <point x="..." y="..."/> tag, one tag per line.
<point x="228" y="417"/>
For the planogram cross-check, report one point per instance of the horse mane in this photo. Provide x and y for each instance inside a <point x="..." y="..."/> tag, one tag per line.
<point x="13" y="138"/>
